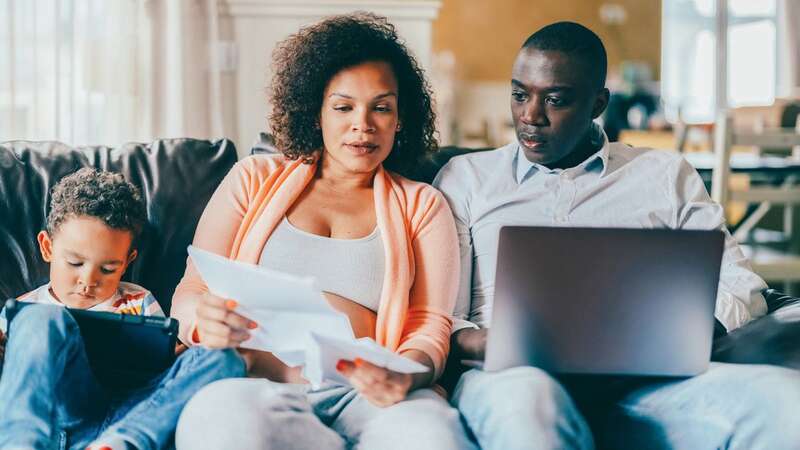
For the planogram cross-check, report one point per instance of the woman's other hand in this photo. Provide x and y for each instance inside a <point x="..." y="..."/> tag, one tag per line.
<point x="382" y="387"/>
<point x="218" y="326"/>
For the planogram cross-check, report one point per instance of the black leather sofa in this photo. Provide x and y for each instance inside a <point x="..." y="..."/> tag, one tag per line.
<point x="177" y="177"/>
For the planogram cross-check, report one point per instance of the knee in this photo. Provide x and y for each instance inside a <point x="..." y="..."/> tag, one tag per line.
<point x="511" y="388"/>
<point x="34" y="320"/>
<point x="228" y="363"/>
<point x="422" y="409"/>
<point x="424" y="420"/>
<point x="528" y="381"/>
<point x="205" y="405"/>
<point x="208" y="421"/>
<point x="216" y="363"/>
<point x="520" y="405"/>
<point x="760" y="415"/>
<point x="43" y="314"/>
<point x="521" y="400"/>
<point x="773" y="402"/>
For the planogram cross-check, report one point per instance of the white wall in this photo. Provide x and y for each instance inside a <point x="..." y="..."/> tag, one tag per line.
<point x="255" y="26"/>
<point x="484" y="104"/>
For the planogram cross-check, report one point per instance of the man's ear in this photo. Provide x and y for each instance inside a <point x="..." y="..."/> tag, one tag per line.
<point x="45" y="245"/>
<point x="600" y="103"/>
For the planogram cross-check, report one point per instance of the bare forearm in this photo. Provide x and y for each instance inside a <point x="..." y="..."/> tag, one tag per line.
<point x="468" y="343"/>
<point x="184" y="306"/>
<point x="266" y="365"/>
<point x="425" y="379"/>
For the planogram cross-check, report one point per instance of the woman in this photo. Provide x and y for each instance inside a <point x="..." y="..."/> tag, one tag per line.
<point x="352" y="110"/>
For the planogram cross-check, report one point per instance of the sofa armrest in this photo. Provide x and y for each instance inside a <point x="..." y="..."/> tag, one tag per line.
<point x="772" y="339"/>
<point x="777" y="300"/>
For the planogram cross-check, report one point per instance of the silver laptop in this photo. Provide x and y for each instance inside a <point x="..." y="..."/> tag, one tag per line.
<point x="604" y="301"/>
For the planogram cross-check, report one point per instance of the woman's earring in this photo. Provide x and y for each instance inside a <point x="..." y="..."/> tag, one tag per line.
<point x="399" y="127"/>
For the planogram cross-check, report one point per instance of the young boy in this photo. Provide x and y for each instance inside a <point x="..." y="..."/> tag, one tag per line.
<point x="49" y="398"/>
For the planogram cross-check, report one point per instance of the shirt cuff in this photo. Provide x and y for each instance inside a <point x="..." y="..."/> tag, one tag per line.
<point x="731" y="313"/>
<point x="421" y="344"/>
<point x="460" y="324"/>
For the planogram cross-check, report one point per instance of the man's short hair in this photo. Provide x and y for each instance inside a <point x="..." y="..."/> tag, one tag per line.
<point x="576" y="40"/>
<point x="106" y="196"/>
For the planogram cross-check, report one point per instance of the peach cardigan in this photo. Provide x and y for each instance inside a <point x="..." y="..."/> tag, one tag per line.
<point x="416" y="225"/>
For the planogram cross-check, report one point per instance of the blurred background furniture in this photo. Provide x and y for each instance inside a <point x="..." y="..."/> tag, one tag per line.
<point x="774" y="183"/>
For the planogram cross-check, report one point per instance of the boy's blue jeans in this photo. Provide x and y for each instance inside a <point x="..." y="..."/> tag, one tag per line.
<point x="49" y="397"/>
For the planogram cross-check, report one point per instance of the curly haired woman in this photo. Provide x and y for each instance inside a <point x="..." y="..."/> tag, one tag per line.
<point x="352" y="112"/>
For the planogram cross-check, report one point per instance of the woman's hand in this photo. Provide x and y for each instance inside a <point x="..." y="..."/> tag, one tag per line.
<point x="382" y="387"/>
<point x="218" y="326"/>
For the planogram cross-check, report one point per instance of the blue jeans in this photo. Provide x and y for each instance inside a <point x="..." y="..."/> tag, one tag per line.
<point x="49" y="397"/>
<point x="731" y="406"/>
<point x="269" y="415"/>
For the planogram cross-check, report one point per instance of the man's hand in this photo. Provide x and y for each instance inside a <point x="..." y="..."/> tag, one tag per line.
<point x="218" y="326"/>
<point x="382" y="387"/>
<point x="468" y="343"/>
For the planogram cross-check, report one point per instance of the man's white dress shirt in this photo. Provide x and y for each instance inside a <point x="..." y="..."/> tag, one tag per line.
<point x="619" y="186"/>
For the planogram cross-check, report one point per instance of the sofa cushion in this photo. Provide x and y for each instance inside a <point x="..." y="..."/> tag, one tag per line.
<point x="176" y="177"/>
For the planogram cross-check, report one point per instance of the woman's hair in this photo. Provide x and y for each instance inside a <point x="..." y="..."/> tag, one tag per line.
<point x="305" y="63"/>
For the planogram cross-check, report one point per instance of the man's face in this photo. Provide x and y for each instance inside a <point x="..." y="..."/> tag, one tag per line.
<point x="553" y="102"/>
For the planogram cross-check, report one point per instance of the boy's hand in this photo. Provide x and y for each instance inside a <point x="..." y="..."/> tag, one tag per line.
<point x="218" y="326"/>
<point x="180" y="347"/>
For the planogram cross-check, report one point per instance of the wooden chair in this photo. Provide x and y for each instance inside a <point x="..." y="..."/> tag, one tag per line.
<point x="771" y="264"/>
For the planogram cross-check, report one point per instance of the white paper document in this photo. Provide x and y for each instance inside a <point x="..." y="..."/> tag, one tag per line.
<point x="331" y="350"/>
<point x="295" y="321"/>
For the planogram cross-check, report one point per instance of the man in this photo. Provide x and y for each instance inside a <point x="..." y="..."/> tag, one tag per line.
<point x="562" y="171"/>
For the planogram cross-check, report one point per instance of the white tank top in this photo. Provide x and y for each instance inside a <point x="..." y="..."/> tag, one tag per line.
<point x="351" y="268"/>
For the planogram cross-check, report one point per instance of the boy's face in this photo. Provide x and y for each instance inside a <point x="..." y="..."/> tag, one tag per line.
<point x="87" y="259"/>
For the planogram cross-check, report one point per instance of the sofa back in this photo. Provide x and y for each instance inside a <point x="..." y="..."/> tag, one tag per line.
<point x="424" y="170"/>
<point x="176" y="178"/>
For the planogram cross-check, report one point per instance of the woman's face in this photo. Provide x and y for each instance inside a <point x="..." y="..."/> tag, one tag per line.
<point x="359" y="117"/>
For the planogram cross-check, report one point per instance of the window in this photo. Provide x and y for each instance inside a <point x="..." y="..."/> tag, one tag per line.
<point x="69" y="71"/>
<point x="688" y="56"/>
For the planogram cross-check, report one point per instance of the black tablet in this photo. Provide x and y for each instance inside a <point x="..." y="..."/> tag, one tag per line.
<point x="123" y="349"/>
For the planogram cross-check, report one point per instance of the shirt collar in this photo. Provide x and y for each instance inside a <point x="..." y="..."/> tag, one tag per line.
<point x="525" y="168"/>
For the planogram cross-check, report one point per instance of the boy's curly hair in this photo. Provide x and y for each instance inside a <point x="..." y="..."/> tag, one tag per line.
<point x="94" y="193"/>
<point x="305" y="63"/>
